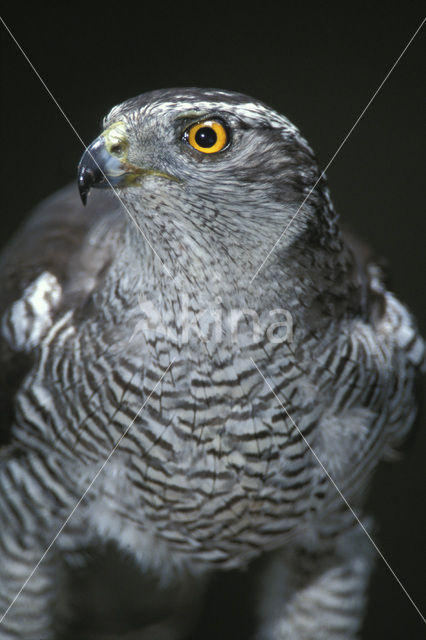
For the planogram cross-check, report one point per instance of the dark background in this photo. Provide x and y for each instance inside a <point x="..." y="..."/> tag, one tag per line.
<point x="317" y="67"/>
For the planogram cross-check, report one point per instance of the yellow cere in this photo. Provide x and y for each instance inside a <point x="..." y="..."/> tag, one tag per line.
<point x="209" y="136"/>
<point x="116" y="141"/>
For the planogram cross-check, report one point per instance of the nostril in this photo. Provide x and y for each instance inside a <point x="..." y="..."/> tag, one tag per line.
<point x="117" y="149"/>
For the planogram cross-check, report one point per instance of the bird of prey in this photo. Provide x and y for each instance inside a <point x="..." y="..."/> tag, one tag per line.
<point x="151" y="397"/>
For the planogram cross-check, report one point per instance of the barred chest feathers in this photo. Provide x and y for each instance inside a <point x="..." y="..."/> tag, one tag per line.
<point x="211" y="456"/>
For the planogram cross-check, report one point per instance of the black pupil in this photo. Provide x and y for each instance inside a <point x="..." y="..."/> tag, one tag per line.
<point x="206" y="137"/>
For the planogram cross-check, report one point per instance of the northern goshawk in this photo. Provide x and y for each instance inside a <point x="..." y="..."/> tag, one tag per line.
<point x="255" y="397"/>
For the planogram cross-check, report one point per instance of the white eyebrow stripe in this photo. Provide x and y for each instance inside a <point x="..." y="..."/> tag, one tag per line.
<point x="251" y="111"/>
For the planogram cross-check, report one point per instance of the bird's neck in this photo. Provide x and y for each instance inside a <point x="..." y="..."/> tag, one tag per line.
<point x="308" y="280"/>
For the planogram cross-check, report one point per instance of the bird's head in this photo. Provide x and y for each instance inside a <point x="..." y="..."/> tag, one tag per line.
<point x="213" y="172"/>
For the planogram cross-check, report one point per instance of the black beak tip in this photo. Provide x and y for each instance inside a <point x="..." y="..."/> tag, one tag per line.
<point x="83" y="196"/>
<point x="86" y="179"/>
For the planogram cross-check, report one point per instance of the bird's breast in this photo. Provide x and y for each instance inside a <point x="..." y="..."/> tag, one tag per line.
<point x="204" y="458"/>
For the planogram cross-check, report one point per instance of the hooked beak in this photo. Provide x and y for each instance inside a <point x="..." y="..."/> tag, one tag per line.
<point x="104" y="163"/>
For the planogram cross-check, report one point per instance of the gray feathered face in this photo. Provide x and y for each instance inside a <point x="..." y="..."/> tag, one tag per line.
<point x="210" y="168"/>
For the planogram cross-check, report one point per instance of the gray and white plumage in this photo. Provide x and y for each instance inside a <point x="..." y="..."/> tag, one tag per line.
<point x="212" y="472"/>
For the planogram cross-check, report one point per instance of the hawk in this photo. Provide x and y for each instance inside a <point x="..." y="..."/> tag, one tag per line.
<point x="153" y="400"/>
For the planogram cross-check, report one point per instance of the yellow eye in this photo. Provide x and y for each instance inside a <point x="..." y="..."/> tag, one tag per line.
<point x="209" y="136"/>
